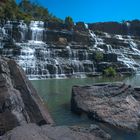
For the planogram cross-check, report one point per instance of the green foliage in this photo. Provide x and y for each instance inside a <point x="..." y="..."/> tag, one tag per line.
<point x="26" y="10"/>
<point x="98" y="56"/>
<point x="8" y="9"/>
<point x="69" y="22"/>
<point x="110" y="72"/>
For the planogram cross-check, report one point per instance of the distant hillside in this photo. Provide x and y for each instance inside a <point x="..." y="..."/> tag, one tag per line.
<point x="26" y="10"/>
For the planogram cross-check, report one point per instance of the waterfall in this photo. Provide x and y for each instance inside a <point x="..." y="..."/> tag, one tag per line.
<point x="86" y="25"/>
<point x="124" y="54"/>
<point x="119" y="37"/>
<point x="98" y="41"/>
<point x="128" y="25"/>
<point x="8" y="28"/>
<point x="107" y="35"/>
<point x="110" y="49"/>
<point x="41" y="60"/>
<point x="37" y="29"/>
<point x="23" y="30"/>
<point x="69" y="52"/>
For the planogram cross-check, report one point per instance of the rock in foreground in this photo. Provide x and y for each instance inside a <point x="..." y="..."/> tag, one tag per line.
<point x="117" y="104"/>
<point x="47" y="132"/>
<point x="19" y="102"/>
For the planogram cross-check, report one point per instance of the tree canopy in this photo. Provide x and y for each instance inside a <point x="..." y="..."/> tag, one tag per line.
<point x="26" y="10"/>
<point x="69" y="22"/>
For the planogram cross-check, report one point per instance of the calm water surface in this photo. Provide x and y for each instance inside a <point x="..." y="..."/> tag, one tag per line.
<point x="57" y="94"/>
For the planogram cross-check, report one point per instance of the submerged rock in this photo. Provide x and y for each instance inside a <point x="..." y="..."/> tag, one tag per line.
<point x="19" y="102"/>
<point x="47" y="132"/>
<point x="117" y="104"/>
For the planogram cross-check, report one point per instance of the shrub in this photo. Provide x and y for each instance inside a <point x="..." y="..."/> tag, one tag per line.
<point x="98" y="56"/>
<point x="110" y="72"/>
<point x="69" y="22"/>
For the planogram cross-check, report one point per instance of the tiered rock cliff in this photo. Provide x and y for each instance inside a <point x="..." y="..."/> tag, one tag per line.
<point x="51" y="50"/>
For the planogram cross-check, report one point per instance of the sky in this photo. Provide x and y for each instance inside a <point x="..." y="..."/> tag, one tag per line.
<point x="93" y="10"/>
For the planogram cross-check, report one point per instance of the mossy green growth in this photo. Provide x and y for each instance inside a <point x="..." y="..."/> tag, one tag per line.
<point x="99" y="56"/>
<point x="111" y="72"/>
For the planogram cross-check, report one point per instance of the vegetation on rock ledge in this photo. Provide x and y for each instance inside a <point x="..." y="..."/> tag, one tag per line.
<point x="98" y="56"/>
<point x="110" y="72"/>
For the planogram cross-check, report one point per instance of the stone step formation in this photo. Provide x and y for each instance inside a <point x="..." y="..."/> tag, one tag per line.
<point x="45" y="50"/>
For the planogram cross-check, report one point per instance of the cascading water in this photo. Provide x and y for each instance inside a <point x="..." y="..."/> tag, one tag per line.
<point x="125" y="54"/>
<point x="8" y="28"/>
<point x="98" y="41"/>
<point x="23" y="29"/>
<point x="37" y="28"/>
<point x="41" y="60"/>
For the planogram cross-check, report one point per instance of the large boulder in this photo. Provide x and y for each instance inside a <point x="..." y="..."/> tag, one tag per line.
<point x="19" y="101"/>
<point x="117" y="104"/>
<point x="47" y="132"/>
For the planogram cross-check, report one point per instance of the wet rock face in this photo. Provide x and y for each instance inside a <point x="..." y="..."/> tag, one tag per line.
<point x="52" y="36"/>
<point x="117" y="104"/>
<point x="111" y="57"/>
<point x="46" y="132"/>
<point x="19" y="102"/>
<point x="50" y="50"/>
<point x="109" y="27"/>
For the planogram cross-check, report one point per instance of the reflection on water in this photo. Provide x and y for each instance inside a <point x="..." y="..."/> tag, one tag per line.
<point x="57" y="94"/>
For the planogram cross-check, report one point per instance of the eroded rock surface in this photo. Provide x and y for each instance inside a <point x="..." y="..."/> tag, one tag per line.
<point x="47" y="132"/>
<point x="117" y="104"/>
<point x="19" y="102"/>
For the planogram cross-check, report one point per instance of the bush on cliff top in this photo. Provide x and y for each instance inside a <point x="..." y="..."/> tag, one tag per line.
<point x="69" y="22"/>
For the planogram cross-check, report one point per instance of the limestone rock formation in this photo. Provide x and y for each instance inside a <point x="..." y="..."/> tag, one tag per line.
<point x="19" y="102"/>
<point x="123" y="28"/>
<point x="50" y="50"/>
<point x="117" y="104"/>
<point x="47" y="132"/>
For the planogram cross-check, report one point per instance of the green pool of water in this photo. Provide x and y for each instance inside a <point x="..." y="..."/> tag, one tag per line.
<point x="57" y="93"/>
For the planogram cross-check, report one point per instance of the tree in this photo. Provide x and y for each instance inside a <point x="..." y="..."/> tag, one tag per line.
<point x="69" y="22"/>
<point x="26" y="10"/>
<point x="10" y="9"/>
